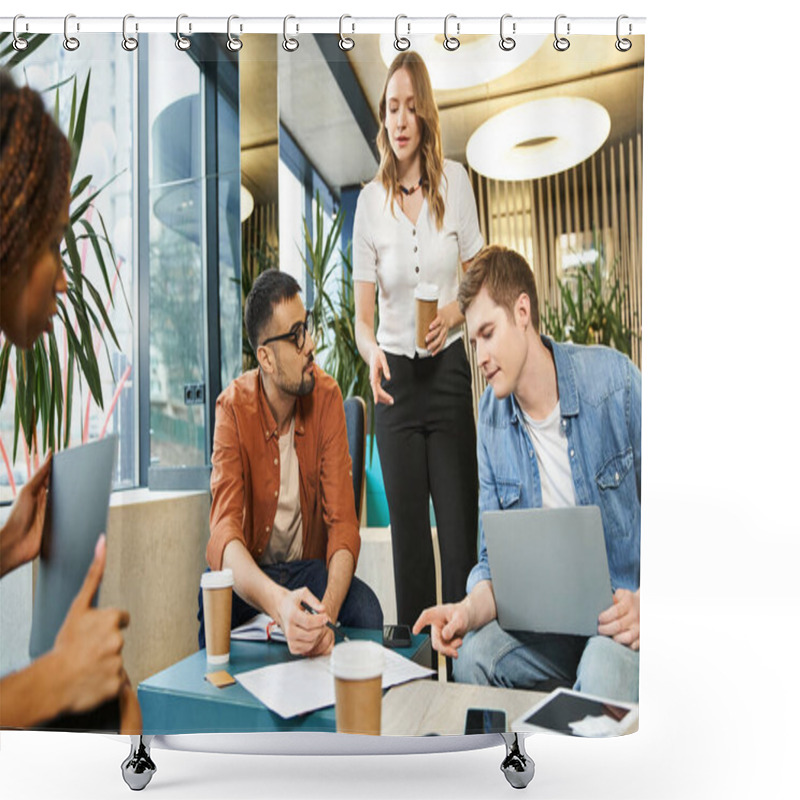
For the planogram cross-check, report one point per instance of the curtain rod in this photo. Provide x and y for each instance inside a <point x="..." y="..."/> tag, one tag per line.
<point x="348" y="25"/>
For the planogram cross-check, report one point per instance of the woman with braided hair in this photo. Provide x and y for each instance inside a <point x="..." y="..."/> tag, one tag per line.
<point x="84" y="669"/>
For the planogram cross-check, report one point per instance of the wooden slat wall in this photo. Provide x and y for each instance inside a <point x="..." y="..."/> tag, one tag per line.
<point x="260" y="226"/>
<point x="603" y="194"/>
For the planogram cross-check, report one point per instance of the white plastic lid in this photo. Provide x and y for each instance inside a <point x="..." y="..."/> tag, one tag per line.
<point x="217" y="580"/>
<point x="426" y="291"/>
<point x="357" y="660"/>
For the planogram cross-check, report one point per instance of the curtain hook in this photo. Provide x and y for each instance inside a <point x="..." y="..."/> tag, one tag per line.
<point x="506" y="42"/>
<point x="19" y="43"/>
<point x="181" y="42"/>
<point x="623" y="45"/>
<point x="345" y="42"/>
<point x="129" y="43"/>
<point x="71" y="43"/>
<point x="450" y="42"/>
<point x="561" y="44"/>
<point x="234" y="43"/>
<point x="401" y="43"/>
<point x="290" y="44"/>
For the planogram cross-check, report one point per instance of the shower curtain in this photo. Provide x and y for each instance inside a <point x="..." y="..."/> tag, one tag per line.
<point x="196" y="169"/>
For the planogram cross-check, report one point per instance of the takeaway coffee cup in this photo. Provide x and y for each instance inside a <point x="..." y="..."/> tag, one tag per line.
<point x="217" y="598"/>
<point x="426" y="297"/>
<point x="357" y="668"/>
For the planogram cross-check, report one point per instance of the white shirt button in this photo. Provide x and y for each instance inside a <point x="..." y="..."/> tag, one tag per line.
<point x="572" y="454"/>
<point x="616" y="476"/>
<point x="275" y="462"/>
<point x="276" y="493"/>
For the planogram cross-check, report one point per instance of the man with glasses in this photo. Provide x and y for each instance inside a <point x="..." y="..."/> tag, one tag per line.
<point x="283" y="515"/>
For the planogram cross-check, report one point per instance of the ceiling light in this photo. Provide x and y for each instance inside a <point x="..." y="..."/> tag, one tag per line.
<point x="477" y="61"/>
<point x="246" y="204"/>
<point x="538" y="138"/>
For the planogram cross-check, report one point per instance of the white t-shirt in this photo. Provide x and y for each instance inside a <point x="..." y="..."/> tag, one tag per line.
<point x="286" y="540"/>
<point x="390" y="250"/>
<point x="550" y="445"/>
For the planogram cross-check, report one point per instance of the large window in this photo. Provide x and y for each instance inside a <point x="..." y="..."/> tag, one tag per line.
<point x="107" y="157"/>
<point x="170" y="149"/>
<point x="302" y="193"/>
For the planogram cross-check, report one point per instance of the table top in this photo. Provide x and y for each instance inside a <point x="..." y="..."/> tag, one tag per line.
<point x="180" y="700"/>
<point x="422" y="708"/>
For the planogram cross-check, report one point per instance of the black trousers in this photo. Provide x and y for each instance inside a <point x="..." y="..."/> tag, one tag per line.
<point x="427" y="447"/>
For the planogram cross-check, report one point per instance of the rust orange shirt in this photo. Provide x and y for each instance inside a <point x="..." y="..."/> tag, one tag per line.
<point x="245" y="475"/>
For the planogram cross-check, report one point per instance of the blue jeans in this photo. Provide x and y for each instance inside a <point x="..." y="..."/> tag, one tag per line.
<point x="361" y="608"/>
<point x="597" y="665"/>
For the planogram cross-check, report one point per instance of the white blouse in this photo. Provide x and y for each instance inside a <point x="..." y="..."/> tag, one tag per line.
<point x="397" y="254"/>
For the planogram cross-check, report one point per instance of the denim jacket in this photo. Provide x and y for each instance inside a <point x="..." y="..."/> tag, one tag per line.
<point x="600" y="391"/>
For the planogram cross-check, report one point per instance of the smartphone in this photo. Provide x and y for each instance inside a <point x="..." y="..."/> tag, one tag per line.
<point x="485" y="720"/>
<point x="396" y="636"/>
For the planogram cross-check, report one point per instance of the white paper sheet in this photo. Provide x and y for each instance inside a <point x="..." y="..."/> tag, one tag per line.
<point x="297" y="687"/>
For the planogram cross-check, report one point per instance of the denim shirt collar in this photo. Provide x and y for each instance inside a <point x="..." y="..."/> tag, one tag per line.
<point x="565" y="377"/>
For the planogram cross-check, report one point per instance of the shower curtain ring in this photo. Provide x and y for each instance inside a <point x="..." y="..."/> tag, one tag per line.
<point x="19" y="43"/>
<point x="345" y="42"/>
<point x="129" y="43"/>
<point x="71" y="43"/>
<point x="561" y="44"/>
<point x="181" y="42"/>
<point x="623" y="45"/>
<point x="234" y="43"/>
<point x="290" y="44"/>
<point x="450" y="42"/>
<point x="401" y="43"/>
<point x="507" y="42"/>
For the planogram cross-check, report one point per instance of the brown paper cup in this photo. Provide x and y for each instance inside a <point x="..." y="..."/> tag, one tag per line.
<point x="357" y="673"/>
<point x="217" y="599"/>
<point x="426" y="300"/>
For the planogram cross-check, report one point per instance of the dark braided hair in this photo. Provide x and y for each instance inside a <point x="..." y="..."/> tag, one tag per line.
<point x="35" y="162"/>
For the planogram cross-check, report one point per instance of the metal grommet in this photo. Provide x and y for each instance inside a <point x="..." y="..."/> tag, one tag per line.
<point x="71" y="43"/>
<point x="181" y="42"/>
<point x="561" y="44"/>
<point x="401" y="43"/>
<point x="234" y="43"/>
<point x="290" y="44"/>
<point x="506" y="42"/>
<point x="623" y="45"/>
<point x="345" y="42"/>
<point x="450" y="42"/>
<point x="129" y="43"/>
<point x="19" y="43"/>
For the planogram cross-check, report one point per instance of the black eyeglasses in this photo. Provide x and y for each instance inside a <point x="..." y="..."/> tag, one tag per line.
<point x="298" y="333"/>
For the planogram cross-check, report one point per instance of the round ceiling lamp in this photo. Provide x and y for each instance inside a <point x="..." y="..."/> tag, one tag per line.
<point x="246" y="203"/>
<point x="478" y="60"/>
<point x="538" y="138"/>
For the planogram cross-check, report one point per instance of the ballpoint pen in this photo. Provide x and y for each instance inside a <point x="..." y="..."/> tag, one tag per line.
<point x="334" y="628"/>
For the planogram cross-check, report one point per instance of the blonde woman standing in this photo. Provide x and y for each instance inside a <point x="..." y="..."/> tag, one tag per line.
<point x="416" y="223"/>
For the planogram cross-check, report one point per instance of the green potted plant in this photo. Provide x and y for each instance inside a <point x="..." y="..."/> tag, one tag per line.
<point x="590" y="306"/>
<point x="45" y="376"/>
<point x="334" y="316"/>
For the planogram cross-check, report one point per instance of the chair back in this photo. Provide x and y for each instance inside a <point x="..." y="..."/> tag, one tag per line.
<point x="355" y="414"/>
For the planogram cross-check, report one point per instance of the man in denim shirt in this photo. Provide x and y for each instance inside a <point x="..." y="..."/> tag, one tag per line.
<point x="559" y="426"/>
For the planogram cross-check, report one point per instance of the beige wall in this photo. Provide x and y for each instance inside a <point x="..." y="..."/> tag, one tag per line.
<point x="156" y="554"/>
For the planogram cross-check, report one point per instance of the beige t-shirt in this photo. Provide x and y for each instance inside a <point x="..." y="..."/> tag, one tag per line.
<point x="286" y="541"/>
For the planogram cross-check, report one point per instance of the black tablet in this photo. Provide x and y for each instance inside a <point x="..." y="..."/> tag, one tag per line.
<point x="76" y="515"/>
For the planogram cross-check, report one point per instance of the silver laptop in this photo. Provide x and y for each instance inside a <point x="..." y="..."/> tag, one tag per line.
<point x="76" y="515"/>
<point x="549" y="569"/>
